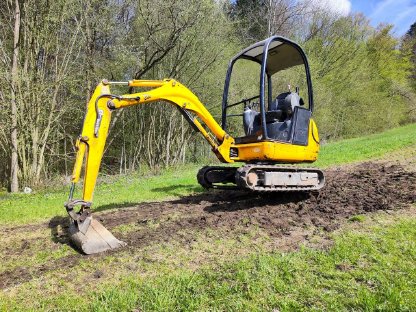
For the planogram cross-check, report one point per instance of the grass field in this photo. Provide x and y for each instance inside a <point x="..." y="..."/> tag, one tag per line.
<point x="369" y="267"/>
<point x="369" y="270"/>
<point x="369" y="264"/>
<point x="367" y="147"/>
<point x="121" y="191"/>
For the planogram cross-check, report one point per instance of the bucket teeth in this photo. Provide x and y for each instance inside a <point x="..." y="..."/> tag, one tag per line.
<point x="95" y="239"/>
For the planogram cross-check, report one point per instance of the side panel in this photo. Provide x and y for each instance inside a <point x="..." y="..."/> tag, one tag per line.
<point x="280" y="151"/>
<point x="302" y="117"/>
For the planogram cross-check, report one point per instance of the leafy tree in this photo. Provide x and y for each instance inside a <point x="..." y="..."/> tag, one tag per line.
<point x="409" y="49"/>
<point x="52" y="55"/>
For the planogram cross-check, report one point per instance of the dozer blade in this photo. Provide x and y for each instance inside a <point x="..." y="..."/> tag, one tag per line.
<point x="96" y="238"/>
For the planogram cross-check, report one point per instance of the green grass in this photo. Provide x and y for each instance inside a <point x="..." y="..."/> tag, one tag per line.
<point x="365" y="270"/>
<point x="121" y="191"/>
<point x="366" y="147"/>
<point x="369" y="267"/>
<point x="357" y="218"/>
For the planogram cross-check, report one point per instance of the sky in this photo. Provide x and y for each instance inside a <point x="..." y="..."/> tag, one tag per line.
<point x="400" y="13"/>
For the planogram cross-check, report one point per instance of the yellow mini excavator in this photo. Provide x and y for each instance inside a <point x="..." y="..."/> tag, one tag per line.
<point x="277" y="130"/>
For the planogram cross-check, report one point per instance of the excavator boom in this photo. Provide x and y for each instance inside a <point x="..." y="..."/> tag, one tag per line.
<point x="87" y="233"/>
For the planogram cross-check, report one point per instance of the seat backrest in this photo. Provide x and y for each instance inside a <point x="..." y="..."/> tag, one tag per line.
<point x="280" y="111"/>
<point x="278" y="103"/>
<point x="286" y="102"/>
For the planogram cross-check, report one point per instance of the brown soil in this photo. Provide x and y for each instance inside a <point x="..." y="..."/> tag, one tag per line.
<point x="367" y="187"/>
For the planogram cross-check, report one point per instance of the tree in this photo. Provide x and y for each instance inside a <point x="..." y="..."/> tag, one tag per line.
<point x="184" y="40"/>
<point x="257" y="20"/>
<point x="44" y="57"/>
<point x="14" y="166"/>
<point x="409" y="49"/>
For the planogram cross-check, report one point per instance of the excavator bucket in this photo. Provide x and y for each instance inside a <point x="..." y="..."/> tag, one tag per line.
<point x="95" y="239"/>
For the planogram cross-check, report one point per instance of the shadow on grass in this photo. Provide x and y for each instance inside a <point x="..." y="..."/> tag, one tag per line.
<point x="59" y="226"/>
<point x="167" y="191"/>
<point x="178" y="189"/>
<point x="234" y="200"/>
<point x="116" y="205"/>
<point x="220" y="200"/>
<point x="252" y="200"/>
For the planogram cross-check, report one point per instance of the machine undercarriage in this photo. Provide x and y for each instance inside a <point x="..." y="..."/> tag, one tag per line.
<point x="261" y="178"/>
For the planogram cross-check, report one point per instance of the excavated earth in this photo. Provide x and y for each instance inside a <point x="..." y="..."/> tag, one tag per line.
<point x="349" y="191"/>
<point x="365" y="188"/>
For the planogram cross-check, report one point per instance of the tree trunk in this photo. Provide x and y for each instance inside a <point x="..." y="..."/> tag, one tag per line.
<point x="14" y="166"/>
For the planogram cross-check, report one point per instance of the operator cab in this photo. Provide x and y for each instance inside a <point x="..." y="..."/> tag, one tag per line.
<point x="265" y="116"/>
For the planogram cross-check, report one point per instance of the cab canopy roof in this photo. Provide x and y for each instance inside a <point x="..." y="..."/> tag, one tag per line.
<point x="282" y="54"/>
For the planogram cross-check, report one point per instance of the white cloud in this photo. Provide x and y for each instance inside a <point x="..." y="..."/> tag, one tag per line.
<point x="339" y="7"/>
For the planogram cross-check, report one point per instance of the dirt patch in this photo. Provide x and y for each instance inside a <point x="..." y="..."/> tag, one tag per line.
<point x="365" y="188"/>
<point x="287" y="217"/>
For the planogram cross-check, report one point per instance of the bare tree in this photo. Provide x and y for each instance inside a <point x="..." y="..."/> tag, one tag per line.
<point x="14" y="167"/>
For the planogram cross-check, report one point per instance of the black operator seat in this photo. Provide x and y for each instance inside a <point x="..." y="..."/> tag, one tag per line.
<point x="283" y="107"/>
<point x="279" y="117"/>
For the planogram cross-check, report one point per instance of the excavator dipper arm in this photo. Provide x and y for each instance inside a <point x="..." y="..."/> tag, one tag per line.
<point x="87" y="233"/>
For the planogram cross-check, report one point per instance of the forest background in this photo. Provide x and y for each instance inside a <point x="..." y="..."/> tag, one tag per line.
<point x="53" y="53"/>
